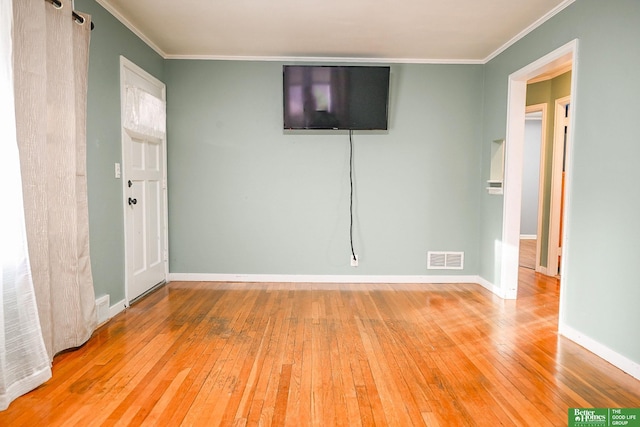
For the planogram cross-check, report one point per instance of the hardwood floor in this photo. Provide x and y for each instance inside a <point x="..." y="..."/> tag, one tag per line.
<point x="238" y="354"/>
<point x="528" y="253"/>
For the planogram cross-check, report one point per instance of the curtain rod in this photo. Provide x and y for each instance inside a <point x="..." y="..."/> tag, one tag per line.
<point x="79" y="18"/>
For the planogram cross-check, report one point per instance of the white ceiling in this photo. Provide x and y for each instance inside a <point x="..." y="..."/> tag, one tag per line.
<point x="429" y="31"/>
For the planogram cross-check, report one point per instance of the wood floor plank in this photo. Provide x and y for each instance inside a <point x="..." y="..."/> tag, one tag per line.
<point x="384" y="375"/>
<point x="294" y="356"/>
<point x="345" y="363"/>
<point x="260" y="411"/>
<point x="302" y="354"/>
<point x="232" y="374"/>
<point x="280" y="407"/>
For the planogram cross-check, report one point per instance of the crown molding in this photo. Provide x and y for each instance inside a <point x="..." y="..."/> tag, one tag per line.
<point x="323" y="59"/>
<point x="553" y="12"/>
<point x="116" y="14"/>
<point x="105" y="4"/>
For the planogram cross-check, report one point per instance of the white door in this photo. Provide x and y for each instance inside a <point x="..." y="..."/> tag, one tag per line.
<point x="561" y="137"/>
<point x="144" y="190"/>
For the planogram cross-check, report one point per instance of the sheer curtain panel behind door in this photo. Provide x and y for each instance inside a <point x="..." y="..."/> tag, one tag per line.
<point x="144" y="113"/>
<point x="24" y="363"/>
<point x="50" y="71"/>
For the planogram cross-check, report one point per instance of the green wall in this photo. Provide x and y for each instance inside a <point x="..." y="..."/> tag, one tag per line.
<point x="603" y="235"/>
<point x="546" y="92"/>
<point x="246" y="197"/>
<point x="109" y="40"/>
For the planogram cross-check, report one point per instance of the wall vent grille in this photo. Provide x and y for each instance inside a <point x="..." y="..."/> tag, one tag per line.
<point x="102" y="307"/>
<point x="445" y="260"/>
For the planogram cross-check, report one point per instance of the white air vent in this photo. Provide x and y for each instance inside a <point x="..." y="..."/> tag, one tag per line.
<point x="445" y="260"/>
<point x="102" y="307"/>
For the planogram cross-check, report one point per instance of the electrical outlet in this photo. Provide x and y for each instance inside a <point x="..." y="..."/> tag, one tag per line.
<point x="117" y="170"/>
<point x="354" y="262"/>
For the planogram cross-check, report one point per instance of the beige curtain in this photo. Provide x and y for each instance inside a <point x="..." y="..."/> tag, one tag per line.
<point x="24" y="363"/>
<point x="50" y="68"/>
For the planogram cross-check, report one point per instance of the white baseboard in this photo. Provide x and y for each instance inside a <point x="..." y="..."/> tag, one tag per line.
<point x="304" y="278"/>
<point x="490" y="287"/>
<point x="117" y="308"/>
<point x="616" y="359"/>
<point x="293" y="278"/>
<point x="528" y="237"/>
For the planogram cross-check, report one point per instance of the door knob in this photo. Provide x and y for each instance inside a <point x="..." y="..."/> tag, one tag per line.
<point x="132" y="201"/>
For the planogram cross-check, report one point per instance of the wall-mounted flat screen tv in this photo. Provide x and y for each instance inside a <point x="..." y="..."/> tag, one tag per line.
<point x="336" y="97"/>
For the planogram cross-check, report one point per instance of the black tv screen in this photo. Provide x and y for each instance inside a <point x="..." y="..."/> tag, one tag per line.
<point x="335" y="97"/>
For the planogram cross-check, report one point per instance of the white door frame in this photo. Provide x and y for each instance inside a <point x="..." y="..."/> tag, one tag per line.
<point x="126" y="64"/>
<point x="517" y="93"/>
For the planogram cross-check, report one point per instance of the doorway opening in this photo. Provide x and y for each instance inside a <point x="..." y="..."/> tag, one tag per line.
<point x="543" y="174"/>
<point x="533" y="186"/>
<point x="514" y="162"/>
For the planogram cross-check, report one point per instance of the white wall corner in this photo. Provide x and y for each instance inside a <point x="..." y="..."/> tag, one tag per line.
<point x="496" y="290"/>
<point x="124" y="21"/>
<point x="616" y="359"/>
<point x="522" y="34"/>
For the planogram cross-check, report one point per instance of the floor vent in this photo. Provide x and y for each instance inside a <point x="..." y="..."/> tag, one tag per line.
<point x="445" y="260"/>
<point x="102" y="307"/>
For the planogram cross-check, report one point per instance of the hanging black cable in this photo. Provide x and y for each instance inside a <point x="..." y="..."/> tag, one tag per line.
<point x="353" y="253"/>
